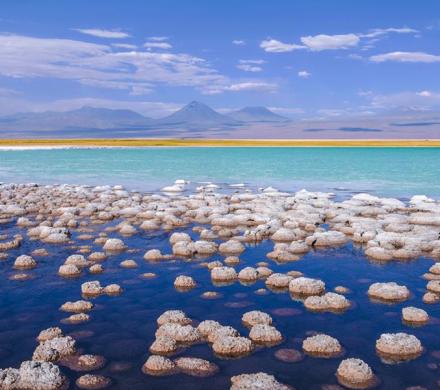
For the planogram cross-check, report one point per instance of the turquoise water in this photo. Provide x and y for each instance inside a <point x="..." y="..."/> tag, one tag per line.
<point x="384" y="171"/>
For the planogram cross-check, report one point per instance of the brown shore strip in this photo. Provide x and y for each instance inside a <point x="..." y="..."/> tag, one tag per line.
<point x="198" y="142"/>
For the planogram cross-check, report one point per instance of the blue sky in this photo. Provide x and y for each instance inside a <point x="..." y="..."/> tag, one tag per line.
<point x="303" y="59"/>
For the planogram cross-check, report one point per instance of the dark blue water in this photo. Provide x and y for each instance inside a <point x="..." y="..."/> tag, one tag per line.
<point x="123" y="327"/>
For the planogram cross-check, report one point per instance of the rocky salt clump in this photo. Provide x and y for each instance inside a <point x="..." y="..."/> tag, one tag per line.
<point x="414" y="316"/>
<point x="174" y="317"/>
<point x="434" y="286"/>
<point x="112" y="289"/>
<point x="196" y="367"/>
<point x="278" y="281"/>
<point x="184" y="283"/>
<point x="164" y="346"/>
<point x="256" y="317"/>
<point x="306" y="286"/>
<point x="248" y="275"/>
<point x="92" y="288"/>
<point x="33" y="375"/>
<point x="49" y="333"/>
<point x="76" y="319"/>
<point x="322" y="345"/>
<point x="207" y="327"/>
<point x="54" y="349"/>
<point x="355" y="374"/>
<point x="265" y="334"/>
<point x="398" y="346"/>
<point x="231" y="247"/>
<point x="185" y="334"/>
<point x="96" y="269"/>
<point x="259" y="380"/>
<point x="223" y="274"/>
<point x="232" y="347"/>
<point x="114" y="245"/>
<point x="431" y="298"/>
<point x="69" y="270"/>
<point x="159" y="366"/>
<point x="328" y="302"/>
<point x="130" y="264"/>
<point x="24" y="262"/>
<point x="222" y="331"/>
<point x="390" y="291"/>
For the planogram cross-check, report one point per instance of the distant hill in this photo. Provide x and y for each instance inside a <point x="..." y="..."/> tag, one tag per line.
<point x="256" y="114"/>
<point x="197" y="115"/>
<point x="83" y="118"/>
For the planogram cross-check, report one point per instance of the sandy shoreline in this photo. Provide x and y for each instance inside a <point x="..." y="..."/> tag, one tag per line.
<point x="19" y="144"/>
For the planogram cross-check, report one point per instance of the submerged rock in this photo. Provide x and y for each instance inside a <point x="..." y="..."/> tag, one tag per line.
<point x="93" y="382"/>
<point x="196" y="367"/>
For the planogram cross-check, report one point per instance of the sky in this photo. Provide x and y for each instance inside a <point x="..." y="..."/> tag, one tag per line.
<point x="302" y="59"/>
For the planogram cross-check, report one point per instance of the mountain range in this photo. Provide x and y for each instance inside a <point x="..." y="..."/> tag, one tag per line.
<point x="194" y="116"/>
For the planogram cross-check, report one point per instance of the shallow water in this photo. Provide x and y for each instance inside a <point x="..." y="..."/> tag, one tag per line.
<point x="124" y="326"/>
<point x="384" y="171"/>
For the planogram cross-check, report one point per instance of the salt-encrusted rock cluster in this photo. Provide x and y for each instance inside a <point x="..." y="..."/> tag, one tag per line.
<point x="223" y="224"/>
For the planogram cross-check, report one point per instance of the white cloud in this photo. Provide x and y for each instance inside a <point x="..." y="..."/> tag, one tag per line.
<point x="100" y="33"/>
<point x="274" y="46"/>
<point x="127" y="46"/>
<point x="238" y="42"/>
<point x="250" y="65"/>
<point x="104" y="66"/>
<point x="330" y="42"/>
<point x="158" y="45"/>
<point x="242" y="86"/>
<point x="424" y="93"/>
<point x="158" y="39"/>
<point x="404" y="56"/>
<point x="304" y="74"/>
<point x="416" y="101"/>
<point x="376" y="32"/>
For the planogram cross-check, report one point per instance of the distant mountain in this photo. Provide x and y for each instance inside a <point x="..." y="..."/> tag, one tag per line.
<point x="197" y="115"/>
<point x="82" y="118"/>
<point x="256" y="114"/>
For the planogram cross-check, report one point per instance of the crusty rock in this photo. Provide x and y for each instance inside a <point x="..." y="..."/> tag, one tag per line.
<point x="256" y="317"/>
<point x="183" y="282"/>
<point x="322" y="345"/>
<point x="165" y="346"/>
<point x="355" y="374"/>
<point x="259" y="380"/>
<point x="390" y="291"/>
<point x="54" y="349"/>
<point x="278" y="281"/>
<point x="77" y="306"/>
<point x="327" y="302"/>
<point x="159" y="366"/>
<point x="24" y="262"/>
<point x="93" y="382"/>
<point x="223" y="274"/>
<point x="173" y="316"/>
<point x="413" y="315"/>
<point x="230" y="346"/>
<point x="49" y="333"/>
<point x="398" y="346"/>
<point x="306" y="286"/>
<point x="265" y="334"/>
<point x="33" y="375"/>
